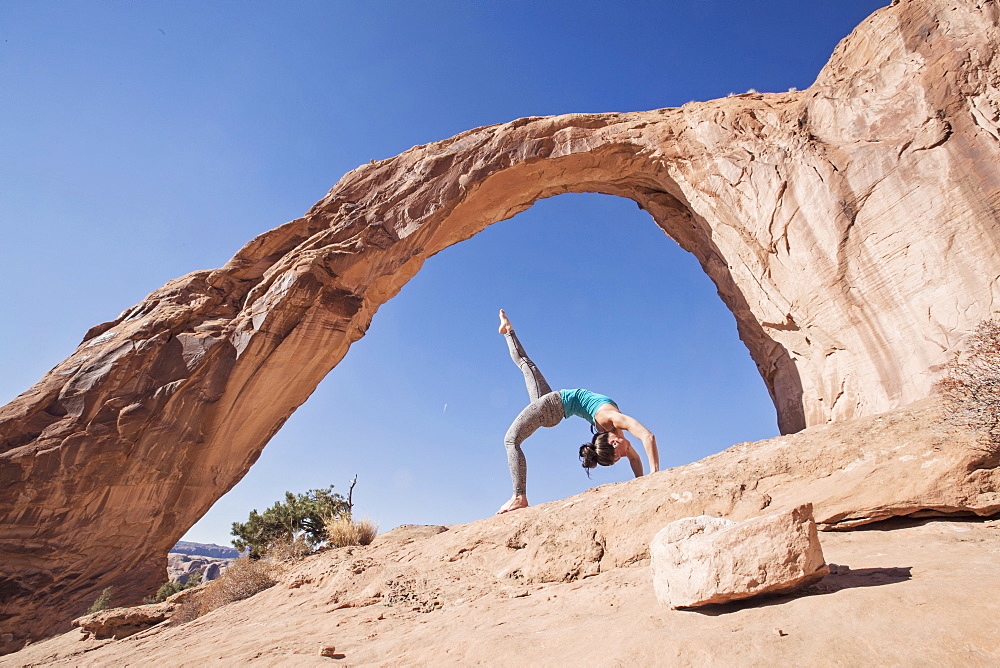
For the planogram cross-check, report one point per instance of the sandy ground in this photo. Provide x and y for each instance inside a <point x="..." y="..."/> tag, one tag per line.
<point x="917" y="592"/>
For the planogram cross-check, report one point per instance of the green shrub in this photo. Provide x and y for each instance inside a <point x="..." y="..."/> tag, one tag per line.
<point x="168" y="588"/>
<point x="103" y="601"/>
<point x="303" y="515"/>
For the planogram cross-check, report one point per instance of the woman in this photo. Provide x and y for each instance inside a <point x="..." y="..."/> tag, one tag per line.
<point x="548" y="408"/>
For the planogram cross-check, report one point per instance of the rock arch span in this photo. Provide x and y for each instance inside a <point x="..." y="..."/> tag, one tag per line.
<point x="851" y="228"/>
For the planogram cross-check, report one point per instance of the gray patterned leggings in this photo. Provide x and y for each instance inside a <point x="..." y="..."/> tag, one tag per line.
<point x="545" y="410"/>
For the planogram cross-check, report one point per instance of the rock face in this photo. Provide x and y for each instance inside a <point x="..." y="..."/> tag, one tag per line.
<point x="704" y="560"/>
<point x="850" y="227"/>
<point x="212" y="572"/>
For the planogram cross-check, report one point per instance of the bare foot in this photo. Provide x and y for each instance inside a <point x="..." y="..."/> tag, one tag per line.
<point x="504" y="323"/>
<point x="516" y="503"/>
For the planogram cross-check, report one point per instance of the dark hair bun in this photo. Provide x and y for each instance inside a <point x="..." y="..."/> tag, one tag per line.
<point x="588" y="455"/>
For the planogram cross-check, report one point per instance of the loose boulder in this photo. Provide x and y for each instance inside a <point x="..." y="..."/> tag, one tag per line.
<point x="122" y="622"/>
<point x="704" y="560"/>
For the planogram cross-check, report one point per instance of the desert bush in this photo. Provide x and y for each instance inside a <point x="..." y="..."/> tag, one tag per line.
<point x="187" y="611"/>
<point x="103" y="602"/>
<point x="970" y="385"/>
<point x="302" y="515"/>
<point x="286" y="549"/>
<point x="344" y="531"/>
<point x="367" y="530"/>
<point x="242" y="579"/>
<point x="168" y="588"/>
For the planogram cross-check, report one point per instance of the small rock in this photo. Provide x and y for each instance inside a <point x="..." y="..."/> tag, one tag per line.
<point x="328" y="650"/>
<point x="780" y="633"/>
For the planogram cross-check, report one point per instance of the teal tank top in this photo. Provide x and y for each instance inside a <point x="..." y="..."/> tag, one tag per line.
<point x="583" y="403"/>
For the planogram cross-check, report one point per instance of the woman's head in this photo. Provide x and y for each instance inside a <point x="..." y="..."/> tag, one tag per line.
<point x="598" y="451"/>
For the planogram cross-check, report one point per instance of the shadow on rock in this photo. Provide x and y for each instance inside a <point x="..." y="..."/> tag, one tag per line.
<point x="840" y="577"/>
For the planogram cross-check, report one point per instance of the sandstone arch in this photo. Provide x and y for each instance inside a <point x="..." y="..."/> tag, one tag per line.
<point x="851" y="228"/>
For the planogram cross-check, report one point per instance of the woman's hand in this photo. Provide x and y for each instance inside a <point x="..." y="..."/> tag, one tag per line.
<point x="516" y="502"/>
<point x="634" y="461"/>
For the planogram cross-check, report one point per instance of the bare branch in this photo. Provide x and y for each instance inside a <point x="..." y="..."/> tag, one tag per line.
<point x="350" y="494"/>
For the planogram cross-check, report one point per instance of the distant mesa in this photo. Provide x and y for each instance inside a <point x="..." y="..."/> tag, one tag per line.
<point x="205" y="550"/>
<point x="185" y="559"/>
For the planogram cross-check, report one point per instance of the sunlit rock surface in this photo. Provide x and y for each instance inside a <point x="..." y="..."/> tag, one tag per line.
<point x="851" y="228"/>
<point x="698" y="561"/>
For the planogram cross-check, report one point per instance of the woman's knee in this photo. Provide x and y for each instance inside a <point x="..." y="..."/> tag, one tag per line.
<point x="511" y="443"/>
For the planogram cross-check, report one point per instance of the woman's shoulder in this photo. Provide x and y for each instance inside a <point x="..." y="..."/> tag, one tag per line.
<point x="608" y="408"/>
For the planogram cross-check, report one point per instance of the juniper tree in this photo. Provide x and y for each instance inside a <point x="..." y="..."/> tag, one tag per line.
<point x="303" y="515"/>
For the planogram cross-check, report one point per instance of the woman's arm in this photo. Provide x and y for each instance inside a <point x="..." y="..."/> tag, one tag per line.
<point x="634" y="427"/>
<point x="634" y="461"/>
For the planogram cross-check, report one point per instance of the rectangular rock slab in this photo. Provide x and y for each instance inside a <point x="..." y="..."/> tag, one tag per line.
<point x="707" y="560"/>
<point x="122" y="622"/>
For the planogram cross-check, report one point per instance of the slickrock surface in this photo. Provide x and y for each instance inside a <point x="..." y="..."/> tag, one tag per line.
<point x="569" y="583"/>
<point x="704" y="560"/>
<point x="850" y="227"/>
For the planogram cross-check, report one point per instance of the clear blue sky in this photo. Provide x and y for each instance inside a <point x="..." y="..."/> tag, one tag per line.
<point x="145" y="140"/>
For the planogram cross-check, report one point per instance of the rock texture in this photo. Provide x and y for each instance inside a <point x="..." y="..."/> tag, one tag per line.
<point x="704" y="560"/>
<point x="123" y="622"/>
<point x="904" y="462"/>
<point x="850" y="227"/>
<point x="569" y="583"/>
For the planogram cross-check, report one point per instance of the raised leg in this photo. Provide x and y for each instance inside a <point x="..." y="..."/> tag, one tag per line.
<point x="534" y="381"/>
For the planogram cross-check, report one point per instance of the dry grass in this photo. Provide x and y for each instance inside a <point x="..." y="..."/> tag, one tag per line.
<point x="242" y="579"/>
<point x="970" y="386"/>
<point x="345" y="531"/>
<point x="288" y="549"/>
<point x="367" y="530"/>
<point x="187" y="611"/>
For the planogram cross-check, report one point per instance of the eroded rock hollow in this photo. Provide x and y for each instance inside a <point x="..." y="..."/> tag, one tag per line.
<point x="851" y="228"/>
